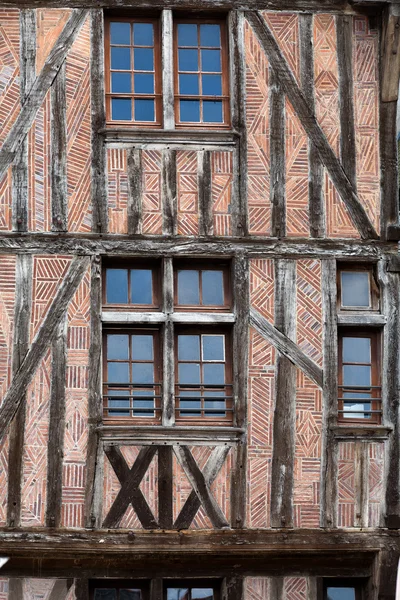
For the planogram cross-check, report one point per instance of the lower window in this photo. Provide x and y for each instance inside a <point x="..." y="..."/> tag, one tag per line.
<point x="119" y="590"/>
<point x="343" y="589"/>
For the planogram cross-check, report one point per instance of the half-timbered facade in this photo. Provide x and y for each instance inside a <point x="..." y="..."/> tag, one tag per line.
<point x="199" y="300"/>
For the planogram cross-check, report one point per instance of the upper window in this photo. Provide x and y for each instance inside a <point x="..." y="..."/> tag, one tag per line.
<point x="343" y="589"/>
<point x="192" y="590"/>
<point x="201" y="82"/>
<point x="202" y="287"/>
<point x="134" y="286"/>
<point x="133" y="61"/>
<point x="358" y="289"/>
<point x="119" y="590"/>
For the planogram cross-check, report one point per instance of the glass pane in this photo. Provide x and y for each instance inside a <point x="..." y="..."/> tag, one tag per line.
<point x="188" y="347"/>
<point x="121" y="59"/>
<point x="177" y="594"/>
<point x="117" y="347"/>
<point x="121" y="109"/>
<point x="188" y="287"/>
<point x="144" y="110"/>
<point x="188" y="60"/>
<point x="105" y="594"/>
<point x="354" y="409"/>
<point x="142" y="373"/>
<point x="212" y="112"/>
<point x="210" y="35"/>
<point x="143" y="34"/>
<point x="189" y="84"/>
<point x="341" y="593"/>
<point x="355" y="288"/>
<point x="121" y="83"/>
<point x="142" y="347"/>
<point x="117" y="405"/>
<point x="118" y="372"/>
<point x="211" y="60"/>
<point x="213" y="288"/>
<point x="214" y="374"/>
<point x="141" y="286"/>
<point x="189" y="111"/>
<point x="211" y="85"/>
<point x="144" y="83"/>
<point x="218" y="406"/>
<point x="356" y="375"/>
<point x="357" y="350"/>
<point x="142" y="403"/>
<point x="213" y="347"/>
<point x="117" y="286"/>
<point x="187" y="34"/>
<point x="143" y="59"/>
<point x="189" y="373"/>
<point x="120" y="33"/>
<point x="190" y="400"/>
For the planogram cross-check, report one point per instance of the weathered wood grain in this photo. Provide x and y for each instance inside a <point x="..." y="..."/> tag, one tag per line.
<point x="167" y="61"/>
<point x="361" y="479"/>
<point x="316" y="206"/>
<point x="390" y="53"/>
<point x="233" y="588"/>
<point x="206" y="226"/>
<point x="22" y="320"/>
<point x="58" y="163"/>
<point x="168" y="391"/>
<point x="15" y="589"/>
<point x="284" y="434"/>
<point x="366" y="320"/>
<point x="46" y="334"/>
<point x="210" y="472"/>
<point x="287" y="347"/>
<point x="309" y="122"/>
<point x="134" y="160"/>
<point x="344" y="37"/>
<point x="329" y="483"/>
<point x="81" y="589"/>
<point x="200" y="486"/>
<point x="389" y="212"/>
<point x="27" y="23"/>
<point x="60" y="589"/>
<point x="39" y="89"/>
<point x="165" y="487"/>
<point x="55" y="447"/>
<point x="98" y="123"/>
<point x="168" y="191"/>
<point x="277" y="157"/>
<point x="276" y="588"/>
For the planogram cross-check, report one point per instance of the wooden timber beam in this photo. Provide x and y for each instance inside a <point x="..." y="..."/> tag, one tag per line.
<point x="286" y="347"/>
<point x="390" y="54"/>
<point x="46" y="334"/>
<point x="310" y="124"/>
<point x="39" y="89"/>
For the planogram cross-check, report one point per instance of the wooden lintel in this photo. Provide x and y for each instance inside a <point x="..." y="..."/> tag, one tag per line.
<point x="287" y="347"/>
<point x="390" y="57"/>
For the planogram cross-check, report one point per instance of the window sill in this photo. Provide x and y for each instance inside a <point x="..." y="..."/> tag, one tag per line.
<point x="195" y="318"/>
<point x="158" y="434"/>
<point x="368" y="319"/>
<point x="376" y="432"/>
<point x="177" y="137"/>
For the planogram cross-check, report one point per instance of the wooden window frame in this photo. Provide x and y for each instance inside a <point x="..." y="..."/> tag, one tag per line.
<point x="158" y="376"/>
<point x="204" y="266"/>
<point x="129" y="264"/>
<point x="356" y="583"/>
<point x="143" y="585"/>
<point x="215" y="584"/>
<point x="376" y="391"/>
<point x="229" y="412"/>
<point x="157" y="95"/>
<point x="225" y="98"/>
<point x="373" y="286"/>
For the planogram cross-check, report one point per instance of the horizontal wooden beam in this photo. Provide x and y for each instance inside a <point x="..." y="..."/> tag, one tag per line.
<point x="159" y="317"/>
<point x="366" y="320"/>
<point x="46" y="334"/>
<point x="40" y="88"/>
<point x="307" y="117"/>
<point x="282" y="343"/>
<point x="390" y="51"/>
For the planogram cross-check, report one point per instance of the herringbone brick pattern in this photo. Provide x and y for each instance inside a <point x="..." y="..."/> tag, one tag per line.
<point x="188" y="193"/>
<point x="346" y="485"/>
<point x="79" y="132"/>
<point x="258" y="145"/>
<point x="117" y="191"/>
<point x="259" y="588"/>
<point x="151" y="186"/>
<point x="49" y="24"/>
<point x="376" y="456"/>
<point x="309" y="308"/>
<point x="37" y="589"/>
<point x="39" y="158"/>
<point x="262" y="287"/>
<point x="7" y="301"/>
<point x="366" y="109"/>
<point x="221" y="186"/>
<point x="3" y="588"/>
<point x="9" y="70"/>
<point x="75" y="439"/>
<point x="295" y="588"/>
<point x="297" y="217"/>
<point x="256" y="588"/>
<point x="5" y="201"/>
<point x="285" y="27"/>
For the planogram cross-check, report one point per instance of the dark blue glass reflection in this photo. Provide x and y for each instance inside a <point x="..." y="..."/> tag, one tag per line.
<point x="341" y="593"/>
<point x="143" y="34"/>
<point x="144" y="110"/>
<point x="211" y="85"/>
<point x="105" y="594"/>
<point x="117" y="286"/>
<point x="188" y="60"/>
<point x="188" y="287"/>
<point x="141" y="286"/>
<point x="210" y="35"/>
<point x="120" y="33"/>
<point x="121" y="59"/>
<point x="212" y="112"/>
<point x="143" y="59"/>
<point x="144" y="83"/>
<point x="211" y="60"/>
<point x="213" y="287"/>
<point x="189" y="84"/>
<point x="121" y="109"/>
<point x="189" y="111"/>
<point x="187" y="34"/>
<point x="121" y="83"/>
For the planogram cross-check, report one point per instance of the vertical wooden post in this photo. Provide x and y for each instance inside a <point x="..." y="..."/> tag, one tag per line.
<point x="167" y="62"/>
<point x="99" y="155"/>
<point x="168" y="396"/>
<point x="205" y="193"/>
<point x="233" y="588"/>
<point x="276" y="588"/>
<point x="58" y="163"/>
<point x="315" y="169"/>
<point x="134" y="161"/>
<point x="329" y="484"/>
<point x="241" y="295"/>
<point x="15" y="589"/>
<point x="361" y="483"/>
<point x="277" y="157"/>
<point x="81" y="589"/>
<point x="165" y="488"/>
<point x="22" y="320"/>
<point x="282" y="472"/>
<point x="168" y="187"/>
<point x="27" y="77"/>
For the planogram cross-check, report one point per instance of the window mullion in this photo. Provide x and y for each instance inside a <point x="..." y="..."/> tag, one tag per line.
<point x="167" y="69"/>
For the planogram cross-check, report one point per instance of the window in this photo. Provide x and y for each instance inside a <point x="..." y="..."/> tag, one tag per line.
<point x="202" y="287"/>
<point x="357" y="288"/>
<point x="203" y="375"/>
<point x="192" y="590"/>
<point x="201" y="73"/>
<point x="343" y="589"/>
<point x="131" y="286"/>
<point x="133" y="82"/>
<point x="132" y="378"/>
<point x="135" y="78"/>
<point x="119" y="590"/>
<point x="359" y="376"/>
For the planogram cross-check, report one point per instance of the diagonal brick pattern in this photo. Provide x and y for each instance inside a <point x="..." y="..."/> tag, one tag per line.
<point x="39" y="157"/>
<point x="188" y="193"/>
<point x="49" y="24"/>
<point x="117" y="191"/>
<point x="376" y="472"/>
<point x="221" y="187"/>
<point x="9" y="70"/>
<point x="346" y="485"/>
<point x="309" y="308"/>
<point x="151" y="186"/>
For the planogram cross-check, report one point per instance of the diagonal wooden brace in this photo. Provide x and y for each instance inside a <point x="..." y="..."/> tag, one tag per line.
<point x="130" y="493"/>
<point x="201" y="483"/>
